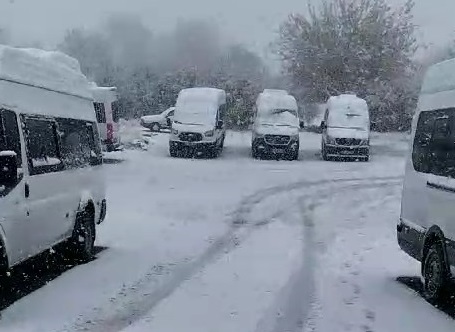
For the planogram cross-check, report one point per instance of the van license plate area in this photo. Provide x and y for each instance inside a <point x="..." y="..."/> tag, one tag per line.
<point x="347" y="152"/>
<point x="278" y="151"/>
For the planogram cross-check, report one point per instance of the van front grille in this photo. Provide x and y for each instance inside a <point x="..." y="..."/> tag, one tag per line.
<point x="348" y="141"/>
<point x="277" y="139"/>
<point x="190" y="137"/>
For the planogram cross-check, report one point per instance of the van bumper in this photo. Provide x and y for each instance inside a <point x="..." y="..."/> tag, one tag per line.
<point x="348" y="151"/>
<point x="103" y="210"/>
<point x="261" y="146"/>
<point x="410" y="239"/>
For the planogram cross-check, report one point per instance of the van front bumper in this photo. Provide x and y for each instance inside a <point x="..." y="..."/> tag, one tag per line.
<point x="103" y="210"/>
<point x="349" y="151"/>
<point x="199" y="145"/>
<point x="261" y="146"/>
<point x="410" y="240"/>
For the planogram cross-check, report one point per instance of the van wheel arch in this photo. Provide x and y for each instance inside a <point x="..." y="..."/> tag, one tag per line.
<point x="434" y="235"/>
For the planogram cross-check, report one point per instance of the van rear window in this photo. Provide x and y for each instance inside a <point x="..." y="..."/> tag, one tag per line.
<point x="434" y="143"/>
<point x="100" y="112"/>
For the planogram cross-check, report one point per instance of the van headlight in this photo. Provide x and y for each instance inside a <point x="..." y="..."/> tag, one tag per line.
<point x="209" y="133"/>
<point x="174" y="132"/>
<point x="295" y="138"/>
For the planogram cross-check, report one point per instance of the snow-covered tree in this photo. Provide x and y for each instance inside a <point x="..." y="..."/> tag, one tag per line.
<point x="360" y="46"/>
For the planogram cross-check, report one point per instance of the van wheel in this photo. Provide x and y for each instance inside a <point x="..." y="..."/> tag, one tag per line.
<point x="155" y="127"/>
<point x="434" y="273"/>
<point x="173" y="152"/>
<point x="324" y="153"/>
<point x="82" y="242"/>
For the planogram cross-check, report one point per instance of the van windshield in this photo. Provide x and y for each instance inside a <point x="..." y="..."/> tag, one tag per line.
<point x="195" y="113"/>
<point x="284" y="117"/>
<point x="348" y="120"/>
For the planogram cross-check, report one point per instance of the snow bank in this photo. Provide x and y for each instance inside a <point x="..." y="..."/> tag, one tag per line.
<point x="43" y="69"/>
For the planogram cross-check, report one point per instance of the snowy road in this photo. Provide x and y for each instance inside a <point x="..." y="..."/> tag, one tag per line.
<point x="236" y="244"/>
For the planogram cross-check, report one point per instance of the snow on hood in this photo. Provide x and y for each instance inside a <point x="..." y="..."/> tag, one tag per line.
<point x="348" y="133"/>
<point x="43" y="69"/>
<point x="269" y="129"/>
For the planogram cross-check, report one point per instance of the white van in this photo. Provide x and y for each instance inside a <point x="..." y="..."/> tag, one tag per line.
<point x="105" y="102"/>
<point x="426" y="229"/>
<point x="276" y="126"/>
<point x="198" y="122"/>
<point x="51" y="184"/>
<point x="346" y="128"/>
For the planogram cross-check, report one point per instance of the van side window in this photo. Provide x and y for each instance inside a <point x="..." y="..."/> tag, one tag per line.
<point x="100" y="112"/>
<point x="76" y="139"/>
<point x="434" y="143"/>
<point x="10" y="141"/>
<point x="9" y="137"/>
<point x="42" y="146"/>
<point x="116" y="112"/>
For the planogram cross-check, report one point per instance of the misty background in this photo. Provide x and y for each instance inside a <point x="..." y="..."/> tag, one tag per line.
<point x="152" y="49"/>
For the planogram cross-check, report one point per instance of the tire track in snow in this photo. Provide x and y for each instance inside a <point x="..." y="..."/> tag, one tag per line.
<point x="137" y="300"/>
<point x="294" y="304"/>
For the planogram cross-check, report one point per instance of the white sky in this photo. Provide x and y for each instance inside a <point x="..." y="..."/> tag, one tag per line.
<point x="252" y="22"/>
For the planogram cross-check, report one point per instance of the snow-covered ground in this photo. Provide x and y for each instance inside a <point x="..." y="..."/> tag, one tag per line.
<point x="236" y="244"/>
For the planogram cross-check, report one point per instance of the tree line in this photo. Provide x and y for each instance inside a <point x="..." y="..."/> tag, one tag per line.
<point x="364" y="47"/>
<point x="150" y="69"/>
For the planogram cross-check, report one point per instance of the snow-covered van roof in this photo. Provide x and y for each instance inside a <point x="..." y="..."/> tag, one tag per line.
<point x="43" y="69"/>
<point x="207" y="95"/>
<point x="104" y="94"/>
<point x="275" y="91"/>
<point x="267" y="102"/>
<point x="37" y="82"/>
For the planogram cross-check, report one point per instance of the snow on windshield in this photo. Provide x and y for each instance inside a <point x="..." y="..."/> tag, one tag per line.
<point x="346" y="118"/>
<point x="196" y="112"/>
<point x="279" y="117"/>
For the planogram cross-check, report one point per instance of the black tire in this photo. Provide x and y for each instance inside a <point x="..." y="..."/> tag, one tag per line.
<point x="435" y="273"/>
<point x="82" y="242"/>
<point x="367" y="158"/>
<point x="255" y="153"/>
<point x="155" y="127"/>
<point x="173" y="152"/>
<point x="324" y="153"/>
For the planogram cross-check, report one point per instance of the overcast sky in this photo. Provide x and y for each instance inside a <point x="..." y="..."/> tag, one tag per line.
<point x="252" y="22"/>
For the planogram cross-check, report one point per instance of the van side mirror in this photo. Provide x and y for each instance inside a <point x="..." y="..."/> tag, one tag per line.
<point x="220" y="124"/>
<point x="8" y="169"/>
<point x="323" y="125"/>
<point x="302" y="124"/>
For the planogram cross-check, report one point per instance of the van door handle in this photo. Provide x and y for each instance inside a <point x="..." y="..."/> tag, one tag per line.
<point x="27" y="190"/>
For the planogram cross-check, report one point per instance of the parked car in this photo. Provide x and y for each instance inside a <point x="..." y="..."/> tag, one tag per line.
<point x="346" y="128"/>
<point x="158" y="121"/>
<point x="199" y="122"/>
<point x="276" y="126"/>
<point x="106" y="109"/>
<point x="51" y="181"/>
<point x="426" y="229"/>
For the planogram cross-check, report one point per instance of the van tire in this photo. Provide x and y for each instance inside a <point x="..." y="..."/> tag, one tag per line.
<point x="173" y="152"/>
<point x="324" y="153"/>
<point x="82" y="242"/>
<point x="155" y="127"/>
<point x="435" y="273"/>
